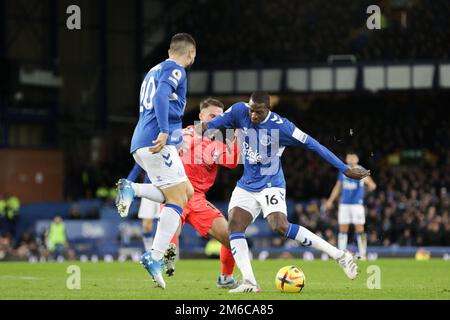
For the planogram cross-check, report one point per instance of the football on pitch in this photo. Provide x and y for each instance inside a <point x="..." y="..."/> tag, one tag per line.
<point x="290" y="279"/>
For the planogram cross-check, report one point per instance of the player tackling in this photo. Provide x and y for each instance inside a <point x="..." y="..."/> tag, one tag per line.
<point x="263" y="136"/>
<point x="201" y="157"/>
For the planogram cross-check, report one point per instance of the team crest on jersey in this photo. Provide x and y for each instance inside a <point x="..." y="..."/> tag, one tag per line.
<point x="265" y="140"/>
<point x="176" y="76"/>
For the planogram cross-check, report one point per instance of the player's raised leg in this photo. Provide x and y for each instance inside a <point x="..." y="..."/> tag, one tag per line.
<point x="278" y="222"/>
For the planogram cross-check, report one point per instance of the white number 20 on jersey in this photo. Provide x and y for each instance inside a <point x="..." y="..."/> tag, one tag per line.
<point x="145" y="98"/>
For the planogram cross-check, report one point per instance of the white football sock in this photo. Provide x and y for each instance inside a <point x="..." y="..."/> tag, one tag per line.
<point x="309" y="239"/>
<point x="239" y="249"/>
<point x="362" y="243"/>
<point x="342" y="240"/>
<point x="167" y="226"/>
<point x="148" y="191"/>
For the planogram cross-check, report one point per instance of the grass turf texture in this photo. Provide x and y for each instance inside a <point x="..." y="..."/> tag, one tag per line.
<point x="196" y="279"/>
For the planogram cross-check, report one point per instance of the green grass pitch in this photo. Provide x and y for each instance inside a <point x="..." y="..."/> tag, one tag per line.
<point x="196" y="279"/>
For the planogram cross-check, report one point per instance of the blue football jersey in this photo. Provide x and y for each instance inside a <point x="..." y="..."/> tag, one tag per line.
<point x="147" y="128"/>
<point x="352" y="190"/>
<point x="261" y="146"/>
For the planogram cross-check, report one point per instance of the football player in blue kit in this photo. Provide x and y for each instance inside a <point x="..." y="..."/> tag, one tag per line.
<point x="156" y="137"/>
<point x="351" y="205"/>
<point x="263" y="136"/>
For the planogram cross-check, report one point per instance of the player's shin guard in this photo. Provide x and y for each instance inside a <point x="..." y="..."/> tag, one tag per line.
<point x="227" y="261"/>
<point x="309" y="239"/>
<point x="362" y="244"/>
<point x="239" y="249"/>
<point x="342" y="240"/>
<point x="148" y="241"/>
<point x="168" y="225"/>
<point x="148" y="191"/>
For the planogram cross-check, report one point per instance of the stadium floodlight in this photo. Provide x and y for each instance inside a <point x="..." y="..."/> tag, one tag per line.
<point x="345" y="78"/>
<point x="321" y="79"/>
<point x="423" y="76"/>
<point x="398" y="77"/>
<point x="444" y="75"/>
<point x="198" y="81"/>
<point x="373" y="77"/>
<point x="271" y="80"/>
<point x="223" y="81"/>
<point x="297" y="79"/>
<point x="247" y="81"/>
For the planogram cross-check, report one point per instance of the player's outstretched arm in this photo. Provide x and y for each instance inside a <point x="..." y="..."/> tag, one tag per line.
<point x="291" y="135"/>
<point x="354" y="173"/>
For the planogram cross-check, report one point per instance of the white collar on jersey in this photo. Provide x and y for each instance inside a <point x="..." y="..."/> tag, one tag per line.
<point x="267" y="118"/>
<point x="168" y="59"/>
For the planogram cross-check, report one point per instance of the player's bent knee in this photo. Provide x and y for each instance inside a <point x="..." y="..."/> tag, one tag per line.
<point x="176" y="195"/>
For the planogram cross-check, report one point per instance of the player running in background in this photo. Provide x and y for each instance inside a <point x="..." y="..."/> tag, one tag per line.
<point x="201" y="157"/>
<point x="351" y="205"/>
<point x="263" y="136"/>
<point x="153" y="146"/>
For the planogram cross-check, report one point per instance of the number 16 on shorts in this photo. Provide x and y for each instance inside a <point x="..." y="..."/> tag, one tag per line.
<point x="274" y="201"/>
<point x="267" y="200"/>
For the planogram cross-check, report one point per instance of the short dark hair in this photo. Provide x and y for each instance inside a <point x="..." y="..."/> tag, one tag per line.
<point x="261" y="97"/>
<point x="351" y="151"/>
<point x="180" y="42"/>
<point x="211" y="102"/>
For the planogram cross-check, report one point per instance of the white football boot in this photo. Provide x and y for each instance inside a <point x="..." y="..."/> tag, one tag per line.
<point x="348" y="264"/>
<point x="246" y="287"/>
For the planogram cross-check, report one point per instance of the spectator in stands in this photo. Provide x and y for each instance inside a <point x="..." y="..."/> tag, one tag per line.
<point x="5" y="246"/>
<point x="9" y="210"/>
<point x="74" y="212"/>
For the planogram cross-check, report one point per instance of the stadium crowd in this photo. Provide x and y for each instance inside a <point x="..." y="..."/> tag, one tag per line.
<point x="316" y="29"/>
